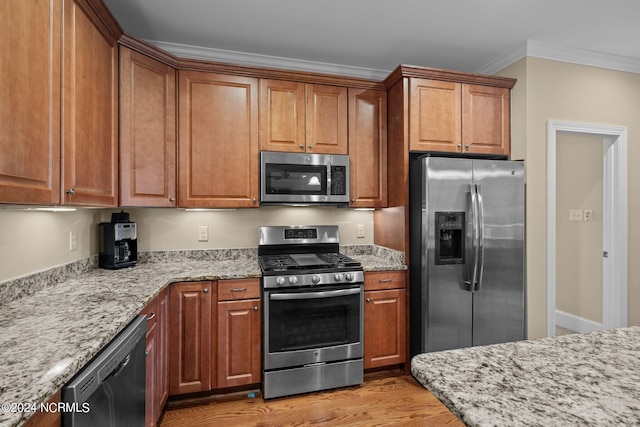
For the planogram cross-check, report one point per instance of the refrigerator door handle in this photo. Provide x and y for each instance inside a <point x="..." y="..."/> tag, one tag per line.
<point x="480" y="233"/>
<point x="472" y="268"/>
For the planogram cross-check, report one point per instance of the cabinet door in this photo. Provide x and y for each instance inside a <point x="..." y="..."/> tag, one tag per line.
<point x="326" y="119"/>
<point x="47" y="419"/>
<point x="238" y="342"/>
<point x="486" y="125"/>
<point x="151" y="408"/>
<point x="30" y="101"/>
<point x="435" y="122"/>
<point x="90" y="109"/>
<point x="368" y="148"/>
<point x="218" y="148"/>
<point x="384" y="328"/>
<point x="190" y="336"/>
<point x="147" y="131"/>
<point x="162" y="359"/>
<point x="282" y="106"/>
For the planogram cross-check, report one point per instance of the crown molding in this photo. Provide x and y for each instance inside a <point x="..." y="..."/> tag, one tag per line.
<point x="544" y="50"/>
<point x="256" y="60"/>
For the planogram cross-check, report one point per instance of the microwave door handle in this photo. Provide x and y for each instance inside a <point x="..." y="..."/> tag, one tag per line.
<point x="480" y="262"/>
<point x="314" y="295"/>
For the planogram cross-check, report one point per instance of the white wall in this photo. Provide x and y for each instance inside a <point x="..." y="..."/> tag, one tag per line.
<point x="34" y="241"/>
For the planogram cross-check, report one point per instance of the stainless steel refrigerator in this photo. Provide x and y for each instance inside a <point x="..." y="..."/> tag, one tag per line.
<point x="467" y="252"/>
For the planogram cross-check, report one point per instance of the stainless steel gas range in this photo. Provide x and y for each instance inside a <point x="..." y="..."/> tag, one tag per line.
<point x="313" y="311"/>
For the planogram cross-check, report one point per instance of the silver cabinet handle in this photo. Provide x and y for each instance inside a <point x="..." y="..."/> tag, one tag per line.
<point x="205" y="290"/>
<point x="368" y="299"/>
<point x="172" y="199"/>
<point x="238" y="289"/>
<point x="255" y="308"/>
<point x="71" y="191"/>
<point x="301" y="146"/>
<point x="310" y="146"/>
<point x="385" y="280"/>
<point x="467" y="146"/>
<point x="253" y="200"/>
<point x="151" y="316"/>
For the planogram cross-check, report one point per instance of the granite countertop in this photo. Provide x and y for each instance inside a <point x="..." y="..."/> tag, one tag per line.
<point x="51" y="334"/>
<point x="590" y="379"/>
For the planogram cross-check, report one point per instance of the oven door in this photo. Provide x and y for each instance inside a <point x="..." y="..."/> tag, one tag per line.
<point x="303" y="326"/>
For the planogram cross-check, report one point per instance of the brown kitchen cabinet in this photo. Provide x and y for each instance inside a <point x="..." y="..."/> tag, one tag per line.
<point x="30" y="97"/>
<point x="147" y="131"/>
<point x="157" y="385"/>
<point x="218" y="140"/>
<point x="368" y="148"/>
<point x="90" y="108"/>
<point x="299" y="117"/>
<point x="48" y="418"/>
<point x="458" y="118"/>
<point x="239" y="331"/>
<point x="384" y="319"/>
<point x="190" y="334"/>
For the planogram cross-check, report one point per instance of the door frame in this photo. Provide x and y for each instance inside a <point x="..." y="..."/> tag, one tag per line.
<point x="614" y="270"/>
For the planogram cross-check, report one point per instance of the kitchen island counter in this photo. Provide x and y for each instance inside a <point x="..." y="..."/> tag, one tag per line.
<point x="590" y="379"/>
<point x="50" y="334"/>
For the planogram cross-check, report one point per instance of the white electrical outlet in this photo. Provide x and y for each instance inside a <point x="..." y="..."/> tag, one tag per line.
<point x="360" y="231"/>
<point x="73" y="241"/>
<point x="203" y="233"/>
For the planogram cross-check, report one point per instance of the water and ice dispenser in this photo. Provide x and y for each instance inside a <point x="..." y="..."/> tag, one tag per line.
<point x="450" y="237"/>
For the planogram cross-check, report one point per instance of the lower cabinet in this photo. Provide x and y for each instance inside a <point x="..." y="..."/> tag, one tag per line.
<point x="239" y="323"/>
<point x="47" y="419"/>
<point x="190" y="336"/>
<point x="157" y="387"/>
<point x="214" y="330"/>
<point x="384" y="319"/>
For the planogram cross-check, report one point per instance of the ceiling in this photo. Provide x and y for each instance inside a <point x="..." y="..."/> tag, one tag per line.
<point x="372" y="37"/>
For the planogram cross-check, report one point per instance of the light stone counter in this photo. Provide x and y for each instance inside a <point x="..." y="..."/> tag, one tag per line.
<point x="50" y="330"/>
<point x="573" y="380"/>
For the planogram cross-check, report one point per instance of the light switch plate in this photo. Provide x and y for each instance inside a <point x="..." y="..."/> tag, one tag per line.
<point x="575" y="215"/>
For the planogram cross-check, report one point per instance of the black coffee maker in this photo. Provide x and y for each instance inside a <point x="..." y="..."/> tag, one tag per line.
<point x="118" y="242"/>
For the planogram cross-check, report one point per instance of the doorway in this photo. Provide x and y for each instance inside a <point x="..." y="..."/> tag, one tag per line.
<point x="614" y="225"/>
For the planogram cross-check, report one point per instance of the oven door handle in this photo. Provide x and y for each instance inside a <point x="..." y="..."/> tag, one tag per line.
<point x="314" y="295"/>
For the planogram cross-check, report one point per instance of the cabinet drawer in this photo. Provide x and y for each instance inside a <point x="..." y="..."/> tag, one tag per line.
<point x="377" y="280"/>
<point x="236" y="289"/>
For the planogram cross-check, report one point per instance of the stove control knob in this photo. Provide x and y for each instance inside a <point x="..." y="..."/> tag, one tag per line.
<point x="339" y="277"/>
<point x="315" y="279"/>
<point x="293" y="280"/>
<point x="280" y="280"/>
<point x="349" y="277"/>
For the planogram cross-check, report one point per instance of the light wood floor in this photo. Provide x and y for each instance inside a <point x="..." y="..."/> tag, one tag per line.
<point x="385" y="399"/>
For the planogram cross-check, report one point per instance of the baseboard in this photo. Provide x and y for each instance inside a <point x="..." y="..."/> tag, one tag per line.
<point x="576" y="323"/>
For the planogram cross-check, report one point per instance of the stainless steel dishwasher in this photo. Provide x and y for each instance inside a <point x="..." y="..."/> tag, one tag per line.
<point x="110" y="390"/>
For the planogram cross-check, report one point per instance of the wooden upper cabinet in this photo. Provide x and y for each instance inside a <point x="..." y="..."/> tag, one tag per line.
<point x="368" y="148"/>
<point x="30" y="101"/>
<point x="434" y="116"/>
<point x="147" y="131"/>
<point x="326" y="119"/>
<point x="459" y="118"/>
<point x="218" y="134"/>
<point x="89" y="109"/>
<point x="486" y="126"/>
<point x="282" y="117"/>
<point x="298" y="117"/>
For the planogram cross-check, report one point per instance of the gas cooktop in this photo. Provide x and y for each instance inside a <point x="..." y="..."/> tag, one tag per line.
<point x="306" y="261"/>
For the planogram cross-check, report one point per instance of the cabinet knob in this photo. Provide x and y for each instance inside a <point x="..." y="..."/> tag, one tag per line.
<point x="172" y="199"/>
<point x="368" y="299"/>
<point x="255" y="308"/>
<point x="310" y="146"/>
<point x="353" y="200"/>
<point x="205" y="290"/>
<point x="301" y="146"/>
<point x="71" y="191"/>
<point x="460" y="146"/>
<point x="467" y="146"/>
<point x="253" y="200"/>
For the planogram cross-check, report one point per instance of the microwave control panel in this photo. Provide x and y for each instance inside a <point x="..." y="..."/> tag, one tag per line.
<point x="338" y="180"/>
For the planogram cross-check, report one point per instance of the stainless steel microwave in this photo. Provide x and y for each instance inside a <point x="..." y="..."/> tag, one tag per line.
<point x="304" y="179"/>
